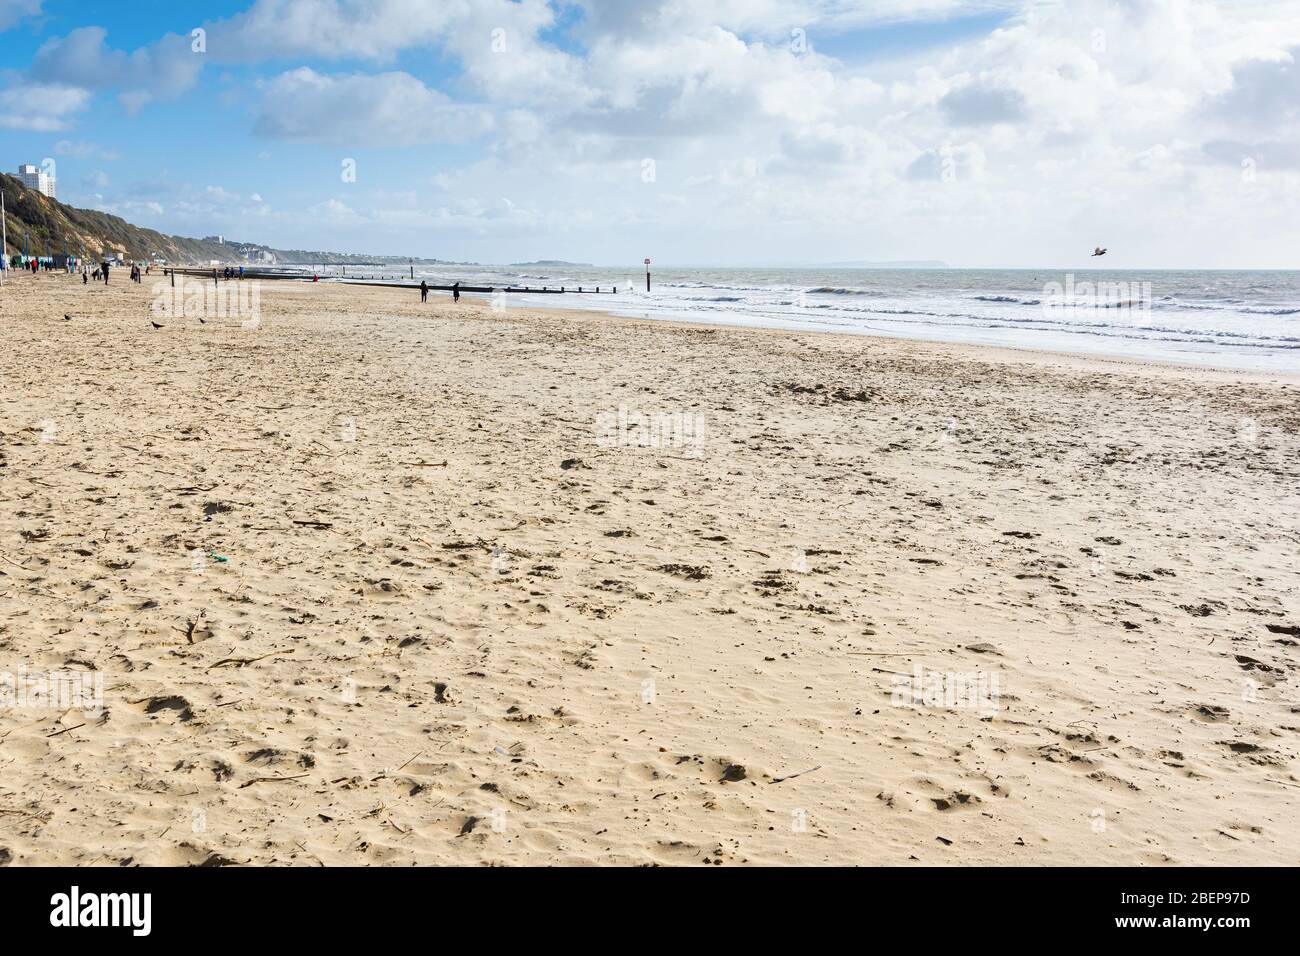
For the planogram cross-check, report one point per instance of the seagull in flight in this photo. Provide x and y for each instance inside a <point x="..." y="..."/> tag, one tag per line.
<point x="1099" y="251"/>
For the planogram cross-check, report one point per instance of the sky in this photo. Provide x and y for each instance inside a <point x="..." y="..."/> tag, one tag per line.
<point x="983" y="133"/>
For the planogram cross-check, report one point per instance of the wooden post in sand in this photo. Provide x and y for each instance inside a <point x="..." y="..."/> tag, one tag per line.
<point x="647" y="275"/>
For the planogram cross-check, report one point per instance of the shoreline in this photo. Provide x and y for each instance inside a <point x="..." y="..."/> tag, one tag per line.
<point x="1009" y="353"/>
<point x="1027" y="350"/>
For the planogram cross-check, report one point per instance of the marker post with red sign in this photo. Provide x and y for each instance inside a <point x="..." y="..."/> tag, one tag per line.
<point x="647" y="275"/>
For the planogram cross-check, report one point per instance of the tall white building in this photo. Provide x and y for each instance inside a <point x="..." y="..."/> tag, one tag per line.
<point x="33" y="178"/>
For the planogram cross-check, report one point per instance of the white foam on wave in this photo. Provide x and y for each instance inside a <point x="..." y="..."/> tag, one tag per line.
<point x="1233" y="319"/>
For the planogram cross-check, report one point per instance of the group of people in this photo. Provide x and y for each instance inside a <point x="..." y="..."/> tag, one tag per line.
<point x="232" y="273"/>
<point x="424" y="291"/>
<point x="34" y="263"/>
<point x="96" y="271"/>
<point x="102" y="271"/>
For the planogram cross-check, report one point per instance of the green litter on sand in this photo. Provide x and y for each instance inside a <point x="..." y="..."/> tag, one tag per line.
<point x="217" y="557"/>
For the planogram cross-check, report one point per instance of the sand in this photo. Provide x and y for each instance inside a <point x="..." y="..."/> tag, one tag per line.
<point x="377" y="583"/>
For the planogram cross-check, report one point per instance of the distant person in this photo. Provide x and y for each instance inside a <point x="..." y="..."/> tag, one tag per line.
<point x="424" y="291"/>
<point x="85" y="275"/>
<point x="105" y="273"/>
<point x="241" y="273"/>
<point x="455" y="292"/>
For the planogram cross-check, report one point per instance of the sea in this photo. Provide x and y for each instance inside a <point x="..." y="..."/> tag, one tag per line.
<point x="1232" y="319"/>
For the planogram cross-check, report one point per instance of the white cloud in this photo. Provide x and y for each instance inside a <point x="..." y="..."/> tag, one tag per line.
<point x="162" y="71"/>
<point x="332" y="29"/>
<point x="1094" y="118"/>
<point x="1264" y="92"/>
<point x="629" y="19"/>
<point x="364" y="111"/>
<point x="12" y="12"/>
<point x="82" y="150"/>
<point x="1127" y="120"/>
<point x="975" y="104"/>
<point x="40" y="107"/>
<point x="334" y="210"/>
<point x="188" y="210"/>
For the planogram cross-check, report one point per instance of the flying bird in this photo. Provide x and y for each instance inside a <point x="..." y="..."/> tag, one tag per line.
<point x="1099" y="251"/>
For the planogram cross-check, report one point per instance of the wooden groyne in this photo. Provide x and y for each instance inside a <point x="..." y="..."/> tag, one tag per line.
<point x="217" y="274"/>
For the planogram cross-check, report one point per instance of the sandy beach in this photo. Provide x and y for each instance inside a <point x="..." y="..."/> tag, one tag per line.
<point x="377" y="583"/>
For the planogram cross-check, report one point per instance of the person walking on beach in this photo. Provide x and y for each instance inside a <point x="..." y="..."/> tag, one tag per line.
<point x="424" y="291"/>
<point x="455" y="292"/>
<point x="105" y="273"/>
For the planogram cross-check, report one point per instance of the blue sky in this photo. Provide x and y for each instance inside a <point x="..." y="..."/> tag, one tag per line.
<point x="981" y="132"/>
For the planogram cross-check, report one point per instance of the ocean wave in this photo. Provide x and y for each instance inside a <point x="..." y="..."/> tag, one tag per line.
<point x="1093" y="304"/>
<point x="1102" y="330"/>
<point x="835" y="290"/>
<point x="713" y="287"/>
<point x="1242" y="310"/>
<point x="1046" y="323"/>
<point x="1098" y="330"/>
<point x="1007" y="298"/>
<point x="1181" y="318"/>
